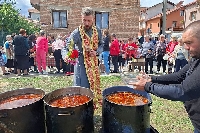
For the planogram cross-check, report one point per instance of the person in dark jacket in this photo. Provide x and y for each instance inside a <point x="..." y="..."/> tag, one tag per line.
<point x="32" y="42"/>
<point x="21" y="50"/>
<point x="106" y="50"/>
<point x="183" y="85"/>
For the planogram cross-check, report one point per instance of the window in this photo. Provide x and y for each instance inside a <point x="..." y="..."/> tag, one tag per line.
<point x="102" y="20"/>
<point x="193" y="15"/>
<point x="174" y="23"/>
<point x="59" y="19"/>
<point x="182" y="13"/>
<point x="158" y="24"/>
<point x="150" y="26"/>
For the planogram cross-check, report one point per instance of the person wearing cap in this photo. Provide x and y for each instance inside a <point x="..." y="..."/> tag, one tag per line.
<point x="41" y="52"/>
<point x="21" y="51"/>
<point x="87" y="40"/>
<point x="183" y="85"/>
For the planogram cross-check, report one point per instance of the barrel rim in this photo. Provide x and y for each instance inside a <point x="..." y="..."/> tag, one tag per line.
<point x="2" y="95"/>
<point x="64" y="88"/>
<point x="125" y="105"/>
<point x="126" y="87"/>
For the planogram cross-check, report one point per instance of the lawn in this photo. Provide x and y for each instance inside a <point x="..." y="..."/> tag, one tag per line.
<point x="166" y="116"/>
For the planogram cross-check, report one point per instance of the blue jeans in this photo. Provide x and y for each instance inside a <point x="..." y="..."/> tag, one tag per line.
<point x="105" y="59"/>
<point x="180" y="64"/>
<point x="195" y="131"/>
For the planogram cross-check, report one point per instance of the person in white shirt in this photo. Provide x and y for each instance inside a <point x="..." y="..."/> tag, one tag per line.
<point x="57" y="45"/>
<point x="180" y="55"/>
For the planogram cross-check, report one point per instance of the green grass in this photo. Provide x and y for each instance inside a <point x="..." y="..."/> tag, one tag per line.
<point x="166" y="116"/>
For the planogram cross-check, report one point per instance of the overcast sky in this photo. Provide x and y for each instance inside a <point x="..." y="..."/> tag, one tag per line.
<point x="24" y="5"/>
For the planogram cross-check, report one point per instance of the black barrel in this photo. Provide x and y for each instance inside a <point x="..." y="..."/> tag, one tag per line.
<point x="125" y="119"/>
<point x="25" y="119"/>
<point x="77" y="119"/>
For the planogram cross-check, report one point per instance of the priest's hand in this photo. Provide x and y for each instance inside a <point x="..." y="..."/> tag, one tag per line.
<point x="93" y="53"/>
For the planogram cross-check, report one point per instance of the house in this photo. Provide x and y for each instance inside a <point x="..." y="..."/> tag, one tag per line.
<point x="192" y="12"/>
<point x="34" y="14"/>
<point x="150" y="12"/>
<point x="174" y="20"/>
<point x="63" y="16"/>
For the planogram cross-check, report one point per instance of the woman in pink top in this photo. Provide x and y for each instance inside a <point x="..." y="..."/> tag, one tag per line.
<point x="41" y="52"/>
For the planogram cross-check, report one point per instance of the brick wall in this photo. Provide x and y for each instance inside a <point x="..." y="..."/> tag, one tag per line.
<point x="123" y="15"/>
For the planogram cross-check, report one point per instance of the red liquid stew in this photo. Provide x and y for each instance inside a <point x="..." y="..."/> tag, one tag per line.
<point x="127" y="99"/>
<point x="19" y="101"/>
<point x="70" y="101"/>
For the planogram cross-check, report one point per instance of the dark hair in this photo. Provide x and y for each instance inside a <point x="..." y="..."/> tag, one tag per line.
<point x="130" y="39"/>
<point x="87" y="11"/>
<point x="106" y="32"/>
<point x="113" y="35"/>
<point x="22" y="31"/>
<point x="32" y="37"/>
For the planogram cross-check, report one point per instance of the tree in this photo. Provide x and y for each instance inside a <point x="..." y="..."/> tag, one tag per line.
<point x="11" y="21"/>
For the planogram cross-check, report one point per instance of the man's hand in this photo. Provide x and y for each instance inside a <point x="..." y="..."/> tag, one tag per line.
<point x="142" y="80"/>
<point x="66" y="59"/>
<point x="93" y="53"/>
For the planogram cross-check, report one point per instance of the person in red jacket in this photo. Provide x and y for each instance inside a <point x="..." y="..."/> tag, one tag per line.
<point x="131" y="49"/>
<point x="122" y="55"/>
<point x="169" y="50"/>
<point x="114" y="52"/>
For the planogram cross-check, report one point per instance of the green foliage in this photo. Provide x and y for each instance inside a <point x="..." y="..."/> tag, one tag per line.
<point x="12" y="22"/>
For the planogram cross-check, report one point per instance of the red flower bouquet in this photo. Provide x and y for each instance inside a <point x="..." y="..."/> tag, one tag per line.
<point x="72" y="57"/>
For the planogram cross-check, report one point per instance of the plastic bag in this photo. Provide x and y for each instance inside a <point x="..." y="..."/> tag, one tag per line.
<point x="165" y="57"/>
<point x="4" y="58"/>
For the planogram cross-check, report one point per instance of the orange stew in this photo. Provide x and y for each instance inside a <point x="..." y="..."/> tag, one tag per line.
<point x="70" y="101"/>
<point x="127" y="99"/>
<point x="19" y="101"/>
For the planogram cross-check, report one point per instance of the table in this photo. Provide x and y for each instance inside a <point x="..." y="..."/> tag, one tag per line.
<point x="50" y="61"/>
<point x="140" y="63"/>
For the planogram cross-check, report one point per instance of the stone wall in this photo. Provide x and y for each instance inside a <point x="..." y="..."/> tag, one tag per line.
<point x="123" y="15"/>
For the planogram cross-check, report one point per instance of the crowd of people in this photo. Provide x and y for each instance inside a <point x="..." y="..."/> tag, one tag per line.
<point x="22" y="54"/>
<point x="36" y="52"/>
<point x="170" y="54"/>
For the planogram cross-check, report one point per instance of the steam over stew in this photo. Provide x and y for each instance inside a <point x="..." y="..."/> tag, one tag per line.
<point x="19" y="101"/>
<point x="127" y="99"/>
<point x="70" y="101"/>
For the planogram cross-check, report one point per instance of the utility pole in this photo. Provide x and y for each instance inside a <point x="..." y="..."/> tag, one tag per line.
<point x="164" y="17"/>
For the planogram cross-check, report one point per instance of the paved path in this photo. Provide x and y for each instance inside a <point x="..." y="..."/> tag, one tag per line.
<point x="61" y="74"/>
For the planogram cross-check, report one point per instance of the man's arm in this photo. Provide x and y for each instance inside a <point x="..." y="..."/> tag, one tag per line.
<point x="187" y="90"/>
<point x="75" y="36"/>
<point x="173" y="78"/>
